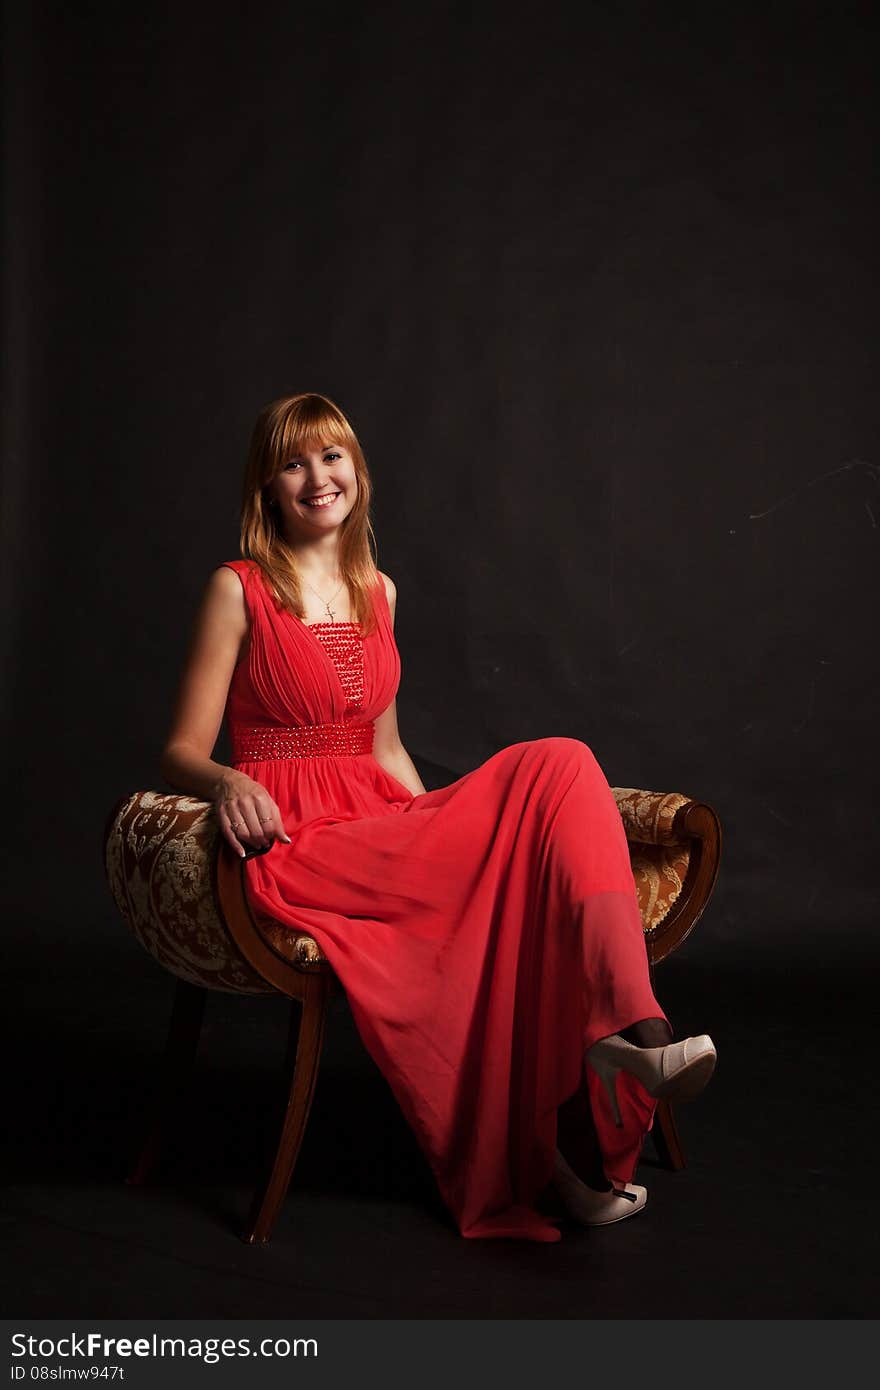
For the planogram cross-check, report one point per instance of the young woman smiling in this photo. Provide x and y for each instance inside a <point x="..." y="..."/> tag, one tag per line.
<point x="486" y="933"/>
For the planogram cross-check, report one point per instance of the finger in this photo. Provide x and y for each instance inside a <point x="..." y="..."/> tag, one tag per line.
<point x="251" y="817"/>
<point x="266" y="816"/>
<point x="235" y="812"/>
<point x="281" y="832"/>
<point x="228" y="833"/>
<point x="270" y="819"/>
<point x="239" y="824"/>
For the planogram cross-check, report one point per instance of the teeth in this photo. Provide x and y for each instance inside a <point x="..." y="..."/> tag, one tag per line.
<point x="322" y="501"/>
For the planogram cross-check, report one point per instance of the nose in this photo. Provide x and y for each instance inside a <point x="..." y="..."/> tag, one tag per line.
<point x="317" y="472"/>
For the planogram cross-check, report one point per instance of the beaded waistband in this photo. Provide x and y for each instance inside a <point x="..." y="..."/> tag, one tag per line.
<point x="259" y="743"/>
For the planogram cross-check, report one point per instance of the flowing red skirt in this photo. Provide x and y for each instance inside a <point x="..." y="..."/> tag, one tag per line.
<point x="486" y="934"/>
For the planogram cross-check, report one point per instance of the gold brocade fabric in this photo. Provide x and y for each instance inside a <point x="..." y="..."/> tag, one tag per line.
<point x="659" y="857"/>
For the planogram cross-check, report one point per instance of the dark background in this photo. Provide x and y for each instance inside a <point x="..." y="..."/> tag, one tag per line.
<point x="596" y="290"/>
<point x="595" y="287"/>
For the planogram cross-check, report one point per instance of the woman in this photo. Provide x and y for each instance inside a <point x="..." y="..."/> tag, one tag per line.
<point x="487" y="933"/>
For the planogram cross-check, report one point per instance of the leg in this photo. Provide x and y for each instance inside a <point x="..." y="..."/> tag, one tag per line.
<point x="656" y="1032"/>
<point x="303" y="1075"/>
<point x="592" y="885"/>
<point x="648" y="1032"/>
<point x="578" y="1174"/>
<point x="180" y="1051"/>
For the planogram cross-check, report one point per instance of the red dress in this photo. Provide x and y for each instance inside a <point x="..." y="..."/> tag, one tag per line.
<point x="484" y="933"/>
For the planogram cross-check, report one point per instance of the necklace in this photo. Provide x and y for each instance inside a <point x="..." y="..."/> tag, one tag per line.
<point x="326" y="602"/>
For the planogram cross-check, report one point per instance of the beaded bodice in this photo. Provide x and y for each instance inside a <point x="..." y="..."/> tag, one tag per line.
<point x="344" y="645"/>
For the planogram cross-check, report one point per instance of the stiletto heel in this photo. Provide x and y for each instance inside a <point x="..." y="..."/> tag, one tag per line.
<point x="677" y="1072"/>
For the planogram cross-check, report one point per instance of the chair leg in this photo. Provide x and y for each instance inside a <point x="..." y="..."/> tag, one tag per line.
<point x="303" y="1073"/>
<point x="666" y="1140"/>
<point x="187" y="1013"/>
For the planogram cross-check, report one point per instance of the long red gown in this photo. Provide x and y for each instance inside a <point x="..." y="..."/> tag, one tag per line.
<point x="485" y="933"/>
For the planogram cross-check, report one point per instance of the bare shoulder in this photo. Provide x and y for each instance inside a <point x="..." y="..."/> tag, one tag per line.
<point x="224" y="597"/>
<point x="224" y="576"/>
<point x="225" y="584"/>
<point x="390" y="589"/>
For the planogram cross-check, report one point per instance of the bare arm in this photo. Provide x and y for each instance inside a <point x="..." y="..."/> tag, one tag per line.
<point x="388" y="749"/>
<point x="247" y="814"/>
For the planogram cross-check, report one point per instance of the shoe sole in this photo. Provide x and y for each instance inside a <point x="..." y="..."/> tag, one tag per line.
<point x="689" y="1080"/>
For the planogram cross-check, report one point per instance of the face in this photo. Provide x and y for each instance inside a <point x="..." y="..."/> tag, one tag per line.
<point x="315" y="491"/>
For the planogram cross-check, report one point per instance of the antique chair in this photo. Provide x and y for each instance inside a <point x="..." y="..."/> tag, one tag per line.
<point x="182" y="892"/>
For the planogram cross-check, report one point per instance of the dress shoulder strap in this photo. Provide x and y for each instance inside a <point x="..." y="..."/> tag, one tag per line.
<point x="243" y="568"/>
<point x="247" y="571"/>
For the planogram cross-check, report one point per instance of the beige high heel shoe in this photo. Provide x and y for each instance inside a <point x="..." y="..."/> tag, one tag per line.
<point x="591" y="1208"/>
<point x="677" y="1072"/>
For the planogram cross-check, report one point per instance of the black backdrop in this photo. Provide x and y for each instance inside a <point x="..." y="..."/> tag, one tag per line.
<point x="595" y="288"/>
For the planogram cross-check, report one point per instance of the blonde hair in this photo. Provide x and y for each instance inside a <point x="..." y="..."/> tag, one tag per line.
<point x="284" y="429"/>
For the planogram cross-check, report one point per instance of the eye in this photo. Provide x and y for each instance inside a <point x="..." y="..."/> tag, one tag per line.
<point x="294" y="463"/>
<point x="332" y="456"/>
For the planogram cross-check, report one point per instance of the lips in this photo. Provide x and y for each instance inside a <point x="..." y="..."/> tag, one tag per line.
<point x="320" y="500"/>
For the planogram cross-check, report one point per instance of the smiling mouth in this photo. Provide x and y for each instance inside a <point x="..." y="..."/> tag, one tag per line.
<point x="326" y="499"/>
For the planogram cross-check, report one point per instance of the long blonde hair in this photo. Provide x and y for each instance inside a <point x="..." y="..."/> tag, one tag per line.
<point x="284" y="429"/>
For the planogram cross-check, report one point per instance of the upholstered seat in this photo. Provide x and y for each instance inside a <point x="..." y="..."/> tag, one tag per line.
<point x="182" y="893"/>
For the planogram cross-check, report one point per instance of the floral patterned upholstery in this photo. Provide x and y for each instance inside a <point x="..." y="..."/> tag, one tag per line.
<point x="648" y="817"/>
<point x="159" y="853"/>
<point x="659" y="857"/>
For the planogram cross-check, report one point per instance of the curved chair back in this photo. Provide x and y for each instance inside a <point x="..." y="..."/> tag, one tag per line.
<point x="675" y="852"/>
